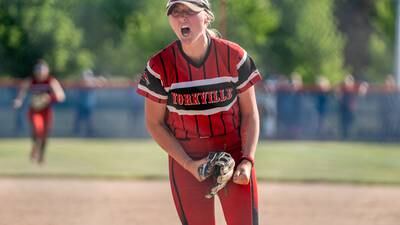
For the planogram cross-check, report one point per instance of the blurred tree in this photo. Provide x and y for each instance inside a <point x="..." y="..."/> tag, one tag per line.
<point x="308" y="40"/>
<point x="147" y="31"/>
<point x="249" y="23"/>
<point x="118" y="36"/>
<point x="354" y="21"/>
<point x="104" y="23"/>
<point x="39" y="29"/>
<point x="382" y="40"/>
<point x="129" y="39"/>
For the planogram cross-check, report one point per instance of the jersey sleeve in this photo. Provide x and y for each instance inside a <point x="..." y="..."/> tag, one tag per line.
<point x="151" y="85"/>
<point x="247" y="72"/>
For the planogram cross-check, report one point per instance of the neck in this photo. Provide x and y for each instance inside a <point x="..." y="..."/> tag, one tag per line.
<point x="197" y="49"/>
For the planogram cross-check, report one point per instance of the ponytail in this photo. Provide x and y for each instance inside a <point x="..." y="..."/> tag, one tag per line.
<point x="212" y="31"/>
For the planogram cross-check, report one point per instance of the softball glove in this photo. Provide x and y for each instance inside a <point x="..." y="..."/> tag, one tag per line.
<point x="40" y="101"/>
<point x="219" y="166"/>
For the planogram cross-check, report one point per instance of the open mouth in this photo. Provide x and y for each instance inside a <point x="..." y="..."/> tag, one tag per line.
<point x="185" y="31"/>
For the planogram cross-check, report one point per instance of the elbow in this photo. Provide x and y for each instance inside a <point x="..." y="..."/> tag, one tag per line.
<point x="251" y="119"/>
<point x="152" y="126"/>
<point x="148" y="125"/>
<point x="251" y="115"/>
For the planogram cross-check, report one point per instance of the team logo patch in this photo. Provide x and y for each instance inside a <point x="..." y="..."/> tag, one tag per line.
<point x="202" y="100"/>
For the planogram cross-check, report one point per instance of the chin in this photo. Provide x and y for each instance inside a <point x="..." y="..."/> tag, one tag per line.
<point x="186" y="41"/>
<point x="190" y="39"/>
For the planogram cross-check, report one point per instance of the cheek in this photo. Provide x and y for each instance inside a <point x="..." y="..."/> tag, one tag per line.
<point x="203" y="22"/>
<point x="173" y="24"/>
<point x="199" y="23"/>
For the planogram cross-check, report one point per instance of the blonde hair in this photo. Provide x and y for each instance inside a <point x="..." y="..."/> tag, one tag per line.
<point x="212" y="31"/>
<point x="210" y="15"/>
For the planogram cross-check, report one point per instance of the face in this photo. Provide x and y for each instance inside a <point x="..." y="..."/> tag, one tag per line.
<point x="187" y="24"/>
<point x="41" y="72"/>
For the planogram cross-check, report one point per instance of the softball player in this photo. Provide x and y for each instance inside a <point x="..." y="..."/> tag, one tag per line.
<point x="45" y="90"/>
<point x="199" y="99"/>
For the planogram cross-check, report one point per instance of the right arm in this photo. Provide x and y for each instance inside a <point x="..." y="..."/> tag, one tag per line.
<point x="22" y="93"/>
<point x="155" y="115"/>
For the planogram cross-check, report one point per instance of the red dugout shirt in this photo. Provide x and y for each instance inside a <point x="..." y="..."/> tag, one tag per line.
<point x="201" y="98"/>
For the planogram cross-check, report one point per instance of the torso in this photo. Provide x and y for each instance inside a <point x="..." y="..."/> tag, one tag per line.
<point x="202" y="98"/>
<point x="41" y="87"/>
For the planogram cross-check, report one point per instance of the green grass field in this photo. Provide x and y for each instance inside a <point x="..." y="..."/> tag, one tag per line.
<point x="142" y="159"/>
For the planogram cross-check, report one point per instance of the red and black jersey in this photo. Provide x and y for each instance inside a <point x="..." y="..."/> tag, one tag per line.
<point x="201" y="98"/>
<point x="41" y="87"/>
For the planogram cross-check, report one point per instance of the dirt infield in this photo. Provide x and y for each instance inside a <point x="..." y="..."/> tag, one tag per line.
<point x="78" y="202"/>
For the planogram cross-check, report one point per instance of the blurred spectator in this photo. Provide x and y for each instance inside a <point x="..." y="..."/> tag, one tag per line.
<point x="289" y="106"/>
<point x="348" y="92"/>
<point x="136" y="110"/>
<point x="389" y="109"/>
<point x="266" y="101"/>
<point x="322" y="96"/>
<point x="83" y="125"/>
<point x="270" y="123"/>
<point x="297" y="105"/>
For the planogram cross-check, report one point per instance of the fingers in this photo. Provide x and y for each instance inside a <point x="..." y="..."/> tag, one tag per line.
<point x="203" y="160"/>
<point x="241" y="179"/>
<point x="236" y="174"/>
<point x="17" y="103"/>
<point x="199" y="166"/>
<point x="241" y="176"/>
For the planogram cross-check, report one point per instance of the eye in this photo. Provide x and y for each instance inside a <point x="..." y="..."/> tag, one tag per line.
<point x="191" y="12"/>
<point x="175" y="13"/>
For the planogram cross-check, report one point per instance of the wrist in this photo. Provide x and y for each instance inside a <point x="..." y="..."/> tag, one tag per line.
<point x="248" y="159"/>
<point x="186" y="163"/>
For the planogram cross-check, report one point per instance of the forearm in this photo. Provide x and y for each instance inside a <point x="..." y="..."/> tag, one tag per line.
<point x="22" y="91"/>
<point x="18" y="101"/>
<point x="249" y="130"/>
<point x="57" y="94"/>
<point x="21" y="95"/>
<point x="162" y="135"/>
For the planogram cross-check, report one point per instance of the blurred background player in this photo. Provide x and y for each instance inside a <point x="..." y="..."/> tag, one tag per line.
<point x="289" y="106"/>
<point x="348" y="92"/>
<point x="200" y="98"/>
<point x="44" y="90"/>
<point x="389" y="109"/>
<point x="321" y="103"/>
<point x="86" y="102"/>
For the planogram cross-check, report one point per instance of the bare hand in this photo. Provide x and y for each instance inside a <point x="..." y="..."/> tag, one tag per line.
<point x="17" y="103"/>
<point x="242" y="173"/>
<point x="193" y="167"/>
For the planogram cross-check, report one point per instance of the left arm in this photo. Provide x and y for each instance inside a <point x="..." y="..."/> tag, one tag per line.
<point x="58" y="91"/>
<point x="249" y="129"/>
<point x="250" y="123"/>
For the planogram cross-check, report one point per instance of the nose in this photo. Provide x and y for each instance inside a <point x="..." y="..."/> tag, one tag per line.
<point x="183" y="18"/>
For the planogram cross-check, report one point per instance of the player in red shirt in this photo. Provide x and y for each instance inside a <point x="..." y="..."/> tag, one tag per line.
<point x="199" y="99"/>
<point x="45" y="90"/>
